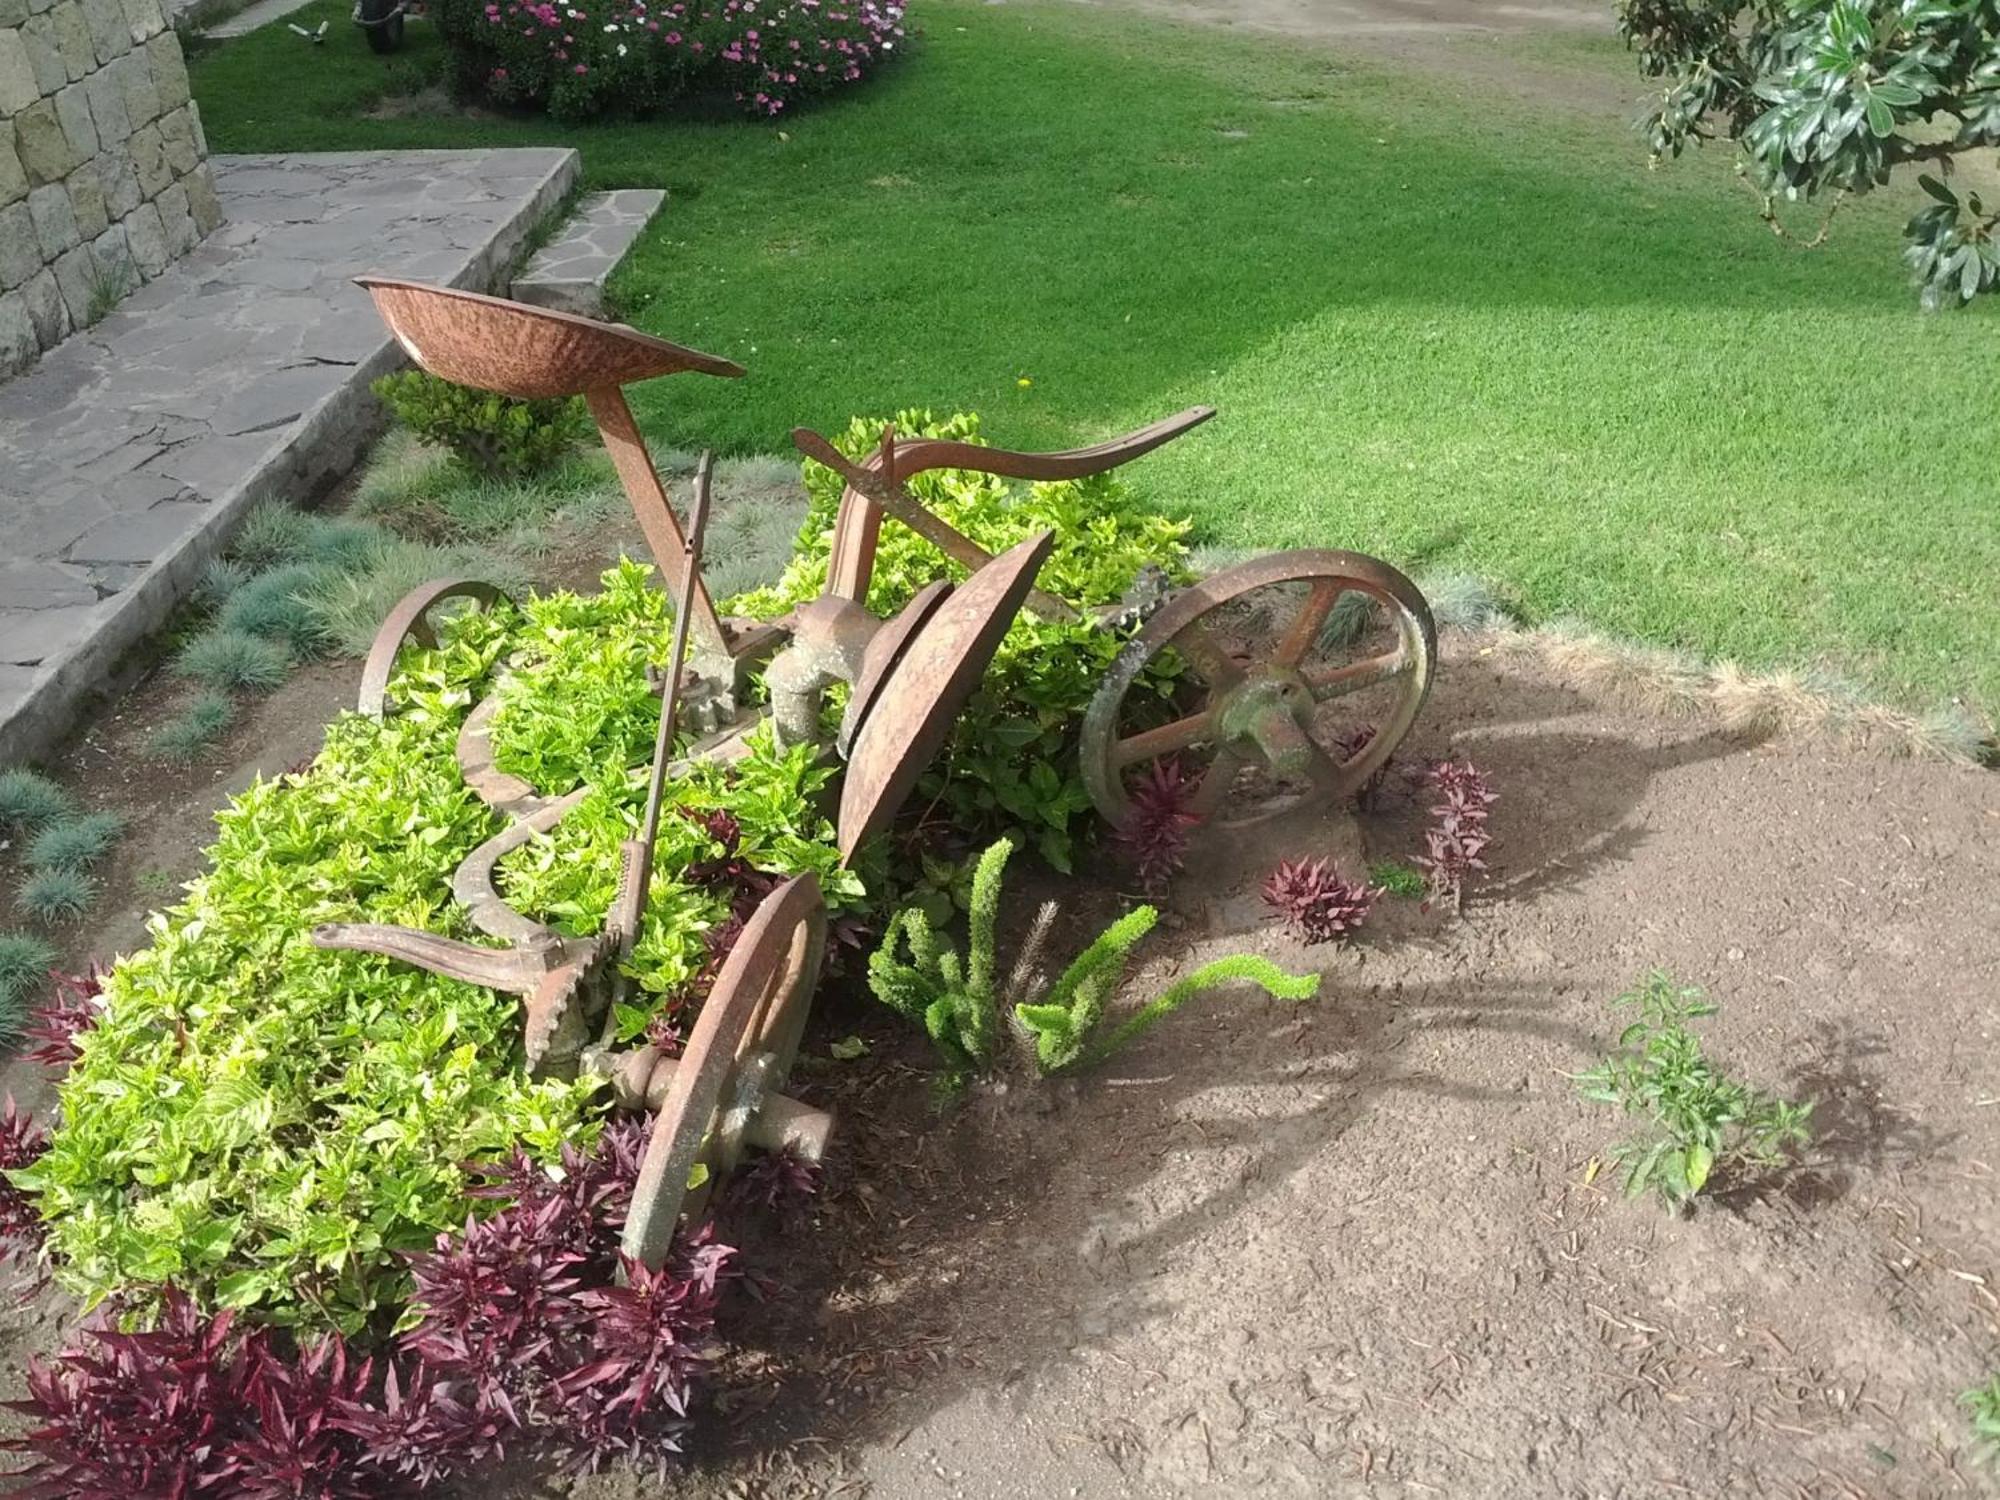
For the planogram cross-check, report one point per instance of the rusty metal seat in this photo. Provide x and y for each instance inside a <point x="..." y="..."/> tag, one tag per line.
<point x="533" y="353"/>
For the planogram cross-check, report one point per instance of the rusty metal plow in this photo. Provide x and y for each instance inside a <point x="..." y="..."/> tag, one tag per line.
<point x="909" y="677"/>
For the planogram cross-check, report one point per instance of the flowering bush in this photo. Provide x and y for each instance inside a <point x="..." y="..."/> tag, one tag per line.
<point x="579" y="58"/>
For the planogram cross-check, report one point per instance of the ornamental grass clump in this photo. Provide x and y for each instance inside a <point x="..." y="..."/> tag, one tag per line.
<point x="24" y="968"/>
<point x="55" y="898"/>
<point x="75" y="843"/>
<point x="28" y="800"/>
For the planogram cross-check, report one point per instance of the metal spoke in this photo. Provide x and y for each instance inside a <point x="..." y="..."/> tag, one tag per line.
<point x="1338" y="682"/>
<point x="1215" y="783"/>
<point x="1311" y="617"/>
<point x="1216" y="667"/>
<point x="1150" y="744"/>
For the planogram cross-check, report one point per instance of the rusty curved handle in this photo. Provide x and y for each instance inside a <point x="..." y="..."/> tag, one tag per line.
<point x="410" y="620"/>
<point x="876" y="485"/>
<point x="515" y="970"/>
<point x="922" y="454"/>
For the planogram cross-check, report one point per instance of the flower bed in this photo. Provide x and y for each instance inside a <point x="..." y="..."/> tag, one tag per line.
<point x="582" y="58"/>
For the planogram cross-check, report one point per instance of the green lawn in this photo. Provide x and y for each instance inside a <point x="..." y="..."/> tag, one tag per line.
<point x="1441" y="328"/>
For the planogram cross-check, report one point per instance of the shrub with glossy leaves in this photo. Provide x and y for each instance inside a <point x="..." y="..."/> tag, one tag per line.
<point x="1827" y="98"/>
<point x="498" y="437"/>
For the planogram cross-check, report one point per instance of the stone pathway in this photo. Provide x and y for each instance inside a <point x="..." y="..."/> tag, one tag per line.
<point x="251" y="17"/>
<point x="129" y="454"/>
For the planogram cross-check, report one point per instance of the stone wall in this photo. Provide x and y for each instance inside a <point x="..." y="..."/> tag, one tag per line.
<point x="104" y="177"/>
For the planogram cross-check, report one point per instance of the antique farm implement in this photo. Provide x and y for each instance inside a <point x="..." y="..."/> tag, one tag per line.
<point x="1243" y="651"/>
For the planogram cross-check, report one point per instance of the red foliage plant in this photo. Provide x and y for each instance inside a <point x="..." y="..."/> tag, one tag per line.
<point x="1154" y="835"/>
<point x="20" y="1145"/>
<point x="1314" y="901"/>
<point x="1457" y="841"/>
<point x="522" y="1343"/>
<point x="55" y="1027"/>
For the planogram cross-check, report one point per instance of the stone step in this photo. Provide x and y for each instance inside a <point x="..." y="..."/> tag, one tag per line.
<point x="131" y="452"/>
<point x="569" y="272"/>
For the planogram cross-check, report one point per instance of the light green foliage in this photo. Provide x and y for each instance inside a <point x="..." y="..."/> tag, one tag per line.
<point x="1699" y="1121"/>
<point x="183" y="738"/>
<point x="29" y="799"/>
<point x="75" y="843"/>
<point x="231" y="661"/>
<point x="1397" y="879"/>
<point x="271" y="1126"/>
<point x="956" y="999"/>
<point x="1011" y="763"/>
<point x="494" y="436"/>
<point x="24" y="965"/>
<point x="55" y="898"/>
<point x="1982" y="1407"/>
<point x="953" y="999"/>
<point x="276" y="605"/>
<point x="569" y="876"/>
<point x="575" y="705"/>
<point x="1237" y="968"/>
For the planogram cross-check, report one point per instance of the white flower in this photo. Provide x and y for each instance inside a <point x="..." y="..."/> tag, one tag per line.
<point x="621" y="49"/>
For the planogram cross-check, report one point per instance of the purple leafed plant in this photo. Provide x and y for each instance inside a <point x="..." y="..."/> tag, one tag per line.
<point x="1154" y="835"/>
<point x="1457" y="840"/>
<point x="522" y="1343"/>
<point x="1314" y="901"/>
<point x="21" y="1144"/>
<point x="73" y="1010"/>
<point x="775" y="1181"/>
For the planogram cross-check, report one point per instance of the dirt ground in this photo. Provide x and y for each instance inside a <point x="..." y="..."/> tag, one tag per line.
<point x="1356" y="1245"/>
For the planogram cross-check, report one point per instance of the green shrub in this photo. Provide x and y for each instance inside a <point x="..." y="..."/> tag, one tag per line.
<point x="491" y="435"/>
<point x="232" y="661"/>
<point x="25" y="962"/>
<point x="55" y="898"/>
<point x="182" y="739"/>
<point x="29" y="799"/>
<point x="271" y="1126"/>
<point x="1011" y="767"/>
<point x="75" y="843"/>
<point x="1699" y="1121"/>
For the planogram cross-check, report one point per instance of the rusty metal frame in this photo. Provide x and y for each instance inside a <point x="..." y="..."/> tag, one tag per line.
<point x="410" y="621"/>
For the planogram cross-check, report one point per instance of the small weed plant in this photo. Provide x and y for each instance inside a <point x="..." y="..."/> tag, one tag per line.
<point x="496" y="437"/>
<point x="1700" y="1123"/>
<point x="956" y="998"/>
<point x="1393" y="878"/>
<point x="1982" y="1409"/>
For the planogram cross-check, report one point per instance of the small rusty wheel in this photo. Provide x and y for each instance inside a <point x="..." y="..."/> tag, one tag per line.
<point x="743" y="1044"/>
<point x="1300" y="674"/>
<point x="410" y="620"/>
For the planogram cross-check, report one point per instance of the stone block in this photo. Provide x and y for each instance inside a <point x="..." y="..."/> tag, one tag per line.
<point x="200" y="135"/>
<point x="202" y="202"/>
<point x="145" y="18"/>
<point x="135" y="78"/>
<point x="86" y="199"/>
<point x="170" y="74"/>
<point x="149" y="160"/>
<point x="121" y="182"/>
<point x="76" y="274"/>
<point x="73" y="114"/>
<point x="177" y="140"/>
<point x="36" y="7"/>
<point x="79" y="52"/>
<point x="147" y="237"/>
<point x="55" y="220"/>
<point x="19" y="347"/>
<point x="107" y="108"/>
<point x="38" y="39"/>
<point x="110" y="32"/>
<point x="177" y="221"/>
<point x="114" y="259"/>
<point x="18" y="88"/>
<point x="46" y="309"/>
<point x="20" y="250"/>
<point x="13" y="180"/>
<point x="43" y="148"/>
<point x="13" y="12"/>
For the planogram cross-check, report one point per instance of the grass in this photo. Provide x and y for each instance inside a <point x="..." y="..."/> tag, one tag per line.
<point x="229" y="660"/>
<point x="24" y="965"/>
<point x="75" y="843"/>
<point x="183" y="739"/>
<point x="1459" y="331"/>
<point x="55" y="898"/>
<point x="1982" y="1409"/>
<point x="29" y="799"/>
